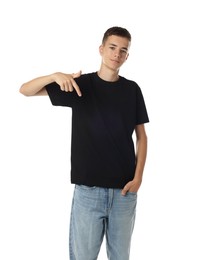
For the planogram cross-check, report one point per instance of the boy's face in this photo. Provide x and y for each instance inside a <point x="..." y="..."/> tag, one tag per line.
<point x="114" y="51"/>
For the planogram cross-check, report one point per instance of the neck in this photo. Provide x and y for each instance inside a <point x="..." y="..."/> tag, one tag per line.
<point x="108" y="76"/>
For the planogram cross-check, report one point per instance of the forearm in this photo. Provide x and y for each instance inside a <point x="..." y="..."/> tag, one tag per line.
<point x="36" y="85"/>
<point x="141" y="153"/>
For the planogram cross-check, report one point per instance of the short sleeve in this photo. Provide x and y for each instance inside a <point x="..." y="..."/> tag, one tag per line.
<point x="141" y="111"/>
<point x="59" y="97"/>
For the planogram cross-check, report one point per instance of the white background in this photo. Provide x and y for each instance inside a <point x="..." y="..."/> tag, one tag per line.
<point x="40" y="37"/>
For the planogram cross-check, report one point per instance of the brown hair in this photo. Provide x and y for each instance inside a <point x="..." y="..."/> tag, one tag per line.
<point x="118" y="31"/>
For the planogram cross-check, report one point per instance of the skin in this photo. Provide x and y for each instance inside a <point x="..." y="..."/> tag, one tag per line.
<point x="114" y="52"/>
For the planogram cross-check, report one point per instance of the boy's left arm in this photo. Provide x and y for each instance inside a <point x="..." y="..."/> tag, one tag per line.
<point x="141" y="152"/>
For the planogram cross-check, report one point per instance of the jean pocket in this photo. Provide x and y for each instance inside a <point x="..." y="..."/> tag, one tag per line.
<point x="132" y="195"/>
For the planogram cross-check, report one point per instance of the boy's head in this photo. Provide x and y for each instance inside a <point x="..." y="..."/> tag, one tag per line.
<point x="118" y="31"/>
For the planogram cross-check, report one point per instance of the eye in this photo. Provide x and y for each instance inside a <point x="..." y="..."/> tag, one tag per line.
<point x="124" y="51"/>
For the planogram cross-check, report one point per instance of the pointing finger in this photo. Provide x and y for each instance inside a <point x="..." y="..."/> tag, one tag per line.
<point x="77" y="89"/>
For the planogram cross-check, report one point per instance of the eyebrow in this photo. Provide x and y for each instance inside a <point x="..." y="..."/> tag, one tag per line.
<point x="114" y="45"/>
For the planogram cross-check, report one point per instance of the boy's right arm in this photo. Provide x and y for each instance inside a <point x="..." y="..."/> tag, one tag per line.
<point x="36" y="87"/>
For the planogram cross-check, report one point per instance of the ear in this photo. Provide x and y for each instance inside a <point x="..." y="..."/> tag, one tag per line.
<point x="127" y="57"/>
<point x="101" y="49"/>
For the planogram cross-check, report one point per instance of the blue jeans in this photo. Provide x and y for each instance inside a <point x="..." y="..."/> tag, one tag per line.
<point x="97" y="212"/>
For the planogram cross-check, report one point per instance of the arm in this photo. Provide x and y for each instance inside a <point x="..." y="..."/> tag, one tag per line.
<point x="36" y="87"/>
<point x="141" y="152"/>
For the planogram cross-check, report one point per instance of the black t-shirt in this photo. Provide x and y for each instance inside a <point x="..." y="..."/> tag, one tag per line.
<point x="103" y="120"/>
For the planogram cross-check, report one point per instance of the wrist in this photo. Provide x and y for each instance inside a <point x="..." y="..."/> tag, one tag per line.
<point x="137" y="179"/>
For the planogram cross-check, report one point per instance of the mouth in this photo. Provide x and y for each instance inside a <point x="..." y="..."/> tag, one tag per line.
<point x="115" y="61"/>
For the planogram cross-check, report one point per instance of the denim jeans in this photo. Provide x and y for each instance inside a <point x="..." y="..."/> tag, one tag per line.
<point x="97" y="212"/>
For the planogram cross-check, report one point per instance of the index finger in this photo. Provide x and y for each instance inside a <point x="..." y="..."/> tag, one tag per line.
<point x="76" y="87"/>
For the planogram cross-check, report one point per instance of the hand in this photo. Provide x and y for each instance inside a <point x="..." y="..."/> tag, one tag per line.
<point x="131" y="186"/>
<point x="67" y="82"/>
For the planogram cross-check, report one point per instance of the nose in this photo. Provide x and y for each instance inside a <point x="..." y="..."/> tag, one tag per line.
<point x="117" y="53"/>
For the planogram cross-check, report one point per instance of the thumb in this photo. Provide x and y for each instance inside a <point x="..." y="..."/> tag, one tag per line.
<point x="124" y="190"/>
<point x="76" y="75"/>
